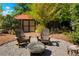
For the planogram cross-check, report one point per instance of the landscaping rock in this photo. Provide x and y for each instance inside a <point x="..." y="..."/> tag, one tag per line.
<point x="36" y="47"/>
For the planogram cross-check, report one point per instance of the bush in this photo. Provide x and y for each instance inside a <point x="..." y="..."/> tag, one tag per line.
<point x="75" y="37"/>
<point x="9" y="23"/>
<point x="39" y="28"/>
<point x="11" y="32"/>
<point x="3" y="30"/>
<point x="65" y="33"/>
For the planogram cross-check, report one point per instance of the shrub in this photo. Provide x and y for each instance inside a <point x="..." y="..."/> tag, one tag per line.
<point x="65" y="33"/>
<point x="75" y="37"/>
<point x="11" y="32"/>
<point x="39" y="28"/>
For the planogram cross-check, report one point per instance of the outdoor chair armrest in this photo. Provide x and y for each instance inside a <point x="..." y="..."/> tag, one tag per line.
<point x="29" y="37"/>
<point x="38" y="37"/>
<point x="16" y="37"/>
<point x="49" y="38"/>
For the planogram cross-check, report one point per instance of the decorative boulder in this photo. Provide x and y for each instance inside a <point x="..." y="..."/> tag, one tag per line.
<point x="36" y="47"/>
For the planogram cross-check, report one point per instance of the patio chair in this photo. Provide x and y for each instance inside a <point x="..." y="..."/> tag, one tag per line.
<point x="21" y="38"/>
<point x="44" y="36"/>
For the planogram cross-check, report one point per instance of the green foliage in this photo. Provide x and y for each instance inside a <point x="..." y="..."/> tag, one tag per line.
<point x="39" y="28"/>
<point x="43" y="13"/>
<point x="75" y="17"/>
<point x="21" y="8"/>
<point x="74" y="37"/>
<point x="9" y="22"/>
<point x="74" y="11"/>
<point x="1" y="9"/>
<point x="65" y="33"/>
<point x="0" y="6"/>
<point x="1" y="20"/>
<point x="65" y="13"/>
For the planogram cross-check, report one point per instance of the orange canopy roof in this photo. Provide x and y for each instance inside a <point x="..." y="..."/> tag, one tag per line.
<point x="23" y="17"/>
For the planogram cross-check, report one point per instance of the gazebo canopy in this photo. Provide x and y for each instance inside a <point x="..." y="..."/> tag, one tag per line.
<point x="23" y="17"/>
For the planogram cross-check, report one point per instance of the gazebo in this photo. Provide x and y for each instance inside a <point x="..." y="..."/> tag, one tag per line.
<point x="28" y="24"/>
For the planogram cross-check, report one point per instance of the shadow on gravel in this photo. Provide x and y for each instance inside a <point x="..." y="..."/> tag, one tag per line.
<point x="45" y="53"/>
<point x="54" y="43"/>
<point x="23" y="45"/>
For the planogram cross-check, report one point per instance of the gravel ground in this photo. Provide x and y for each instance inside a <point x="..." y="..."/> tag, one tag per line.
<point x="11" y="49"/>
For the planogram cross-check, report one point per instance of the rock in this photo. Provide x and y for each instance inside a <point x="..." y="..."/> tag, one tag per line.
<point x="36" y="47"/>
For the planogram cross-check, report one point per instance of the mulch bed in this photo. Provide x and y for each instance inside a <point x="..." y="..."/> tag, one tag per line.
<point x="60" y="36"/>
<point x="8" y="37"/>
<point x="4" y="38"/>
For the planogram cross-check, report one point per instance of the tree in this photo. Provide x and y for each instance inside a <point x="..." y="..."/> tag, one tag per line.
<point x="21" y="8"/>
<point x="9" y="22"/>
<point x="74" y="11"/>
<point x="75" y="16"/>
<point x="1" y="21"/>
<point x="1" y="9"/>
<point x="44" y="13"/>
<point x="65" y="13"/>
